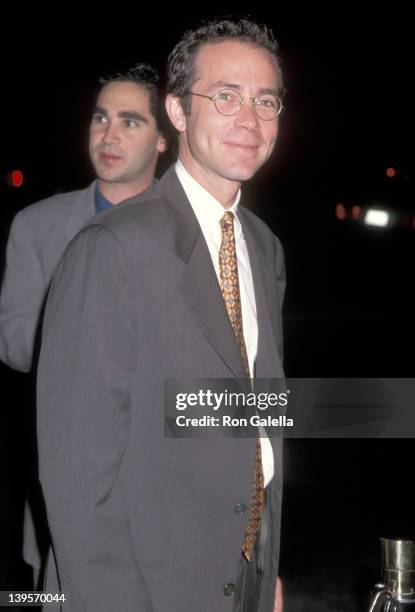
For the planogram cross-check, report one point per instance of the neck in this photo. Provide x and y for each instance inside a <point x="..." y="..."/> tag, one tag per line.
<point x="117" y="192"/>
<point x="222" y="189"/>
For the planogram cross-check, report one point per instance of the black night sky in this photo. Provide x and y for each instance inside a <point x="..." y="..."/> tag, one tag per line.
<point x="349" y="308"/>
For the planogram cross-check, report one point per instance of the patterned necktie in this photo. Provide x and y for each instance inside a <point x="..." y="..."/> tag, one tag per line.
<point x="229" y="283"/>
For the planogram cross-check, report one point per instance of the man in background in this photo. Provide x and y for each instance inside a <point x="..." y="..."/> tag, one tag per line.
<point x="125" y="140"/>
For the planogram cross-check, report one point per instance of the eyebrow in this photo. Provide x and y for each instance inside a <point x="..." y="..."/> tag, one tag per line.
<point x="98" y="110"/>
<point x="263" y="90"/>
<point x="217" y="84"/>
<point x="268" y="90"/>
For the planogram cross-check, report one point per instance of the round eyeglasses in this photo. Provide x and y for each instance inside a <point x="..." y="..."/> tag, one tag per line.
<point x="229" y="102"/>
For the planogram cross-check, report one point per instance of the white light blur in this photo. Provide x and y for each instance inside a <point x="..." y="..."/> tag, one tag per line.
<point x="376" y="217"/>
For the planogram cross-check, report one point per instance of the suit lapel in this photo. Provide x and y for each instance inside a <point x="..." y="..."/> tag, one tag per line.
<point x="201" y="291"/>
<point x="268" y="362"/>
<point x="199" y="284"/>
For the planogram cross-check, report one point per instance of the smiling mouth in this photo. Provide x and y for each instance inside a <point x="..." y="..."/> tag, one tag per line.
<point x="107" y="157"/>
<point x="242" y="147"/>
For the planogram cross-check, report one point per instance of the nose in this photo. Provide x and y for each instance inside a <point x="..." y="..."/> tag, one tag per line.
<point x="246" y="116"/>
<point x="111" y="133"/>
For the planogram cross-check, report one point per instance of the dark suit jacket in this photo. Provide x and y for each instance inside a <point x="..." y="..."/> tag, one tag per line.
<point x="141" y="522"/>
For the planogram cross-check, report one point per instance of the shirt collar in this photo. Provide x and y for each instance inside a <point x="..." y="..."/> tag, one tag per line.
<point x="207" y="209"/>
<point x="101" y="202"/>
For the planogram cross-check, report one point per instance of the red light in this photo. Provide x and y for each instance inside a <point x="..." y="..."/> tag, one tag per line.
<point x="356" y="212"/>
<point x="17" y="178"/>
<point x="390" y="172"/>
<point x="340" y="212"/>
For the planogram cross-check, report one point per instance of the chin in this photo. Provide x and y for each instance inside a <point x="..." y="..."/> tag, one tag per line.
<point x="242" y="174"/>
<point x="108" y="177"/>
<point x="243" y="170"/>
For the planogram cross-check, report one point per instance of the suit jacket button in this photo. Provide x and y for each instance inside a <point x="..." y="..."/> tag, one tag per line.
<point x="240" y="508"/>
<point x="229" y="589"/>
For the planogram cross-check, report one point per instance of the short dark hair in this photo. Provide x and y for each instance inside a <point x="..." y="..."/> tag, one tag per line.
<point x="146" y="76"/>
<point x="181" y="73"/>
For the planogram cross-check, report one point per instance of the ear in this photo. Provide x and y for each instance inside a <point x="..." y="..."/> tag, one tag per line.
<point x="161" y="144"/>
<point x="175" y="112"/>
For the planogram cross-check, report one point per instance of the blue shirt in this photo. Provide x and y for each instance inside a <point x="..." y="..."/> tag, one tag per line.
<point x="101" y="202"/>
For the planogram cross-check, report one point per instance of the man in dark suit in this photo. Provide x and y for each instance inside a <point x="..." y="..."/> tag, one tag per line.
<point x="180" y="284"/>
<point x="124" y="143"/>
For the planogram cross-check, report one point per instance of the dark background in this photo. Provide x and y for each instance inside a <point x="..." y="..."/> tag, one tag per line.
<point x="349" y="308"/>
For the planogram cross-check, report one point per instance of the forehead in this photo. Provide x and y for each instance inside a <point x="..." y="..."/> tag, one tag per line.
<point x="125" y="96"/>
<point x="236" y="62"/>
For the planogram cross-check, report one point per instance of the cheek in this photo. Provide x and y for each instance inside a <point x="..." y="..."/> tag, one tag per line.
<point x="273" y="135"/>
<point x="93" y="139"/>
<point x="143" y="144"/>
<point x="205" y="130"/>
<point x="270" y="138"/>
<point x="139" y="149"/>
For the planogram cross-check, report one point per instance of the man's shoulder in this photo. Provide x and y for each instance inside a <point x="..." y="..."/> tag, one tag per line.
<point x="147" y="212"/>
<point x="121" y="235"/>
<point x="57" y="206"/>
<point x="141" y="219"/>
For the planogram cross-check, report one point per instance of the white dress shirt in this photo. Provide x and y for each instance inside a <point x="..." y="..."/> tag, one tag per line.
<point x="209" y="212"/>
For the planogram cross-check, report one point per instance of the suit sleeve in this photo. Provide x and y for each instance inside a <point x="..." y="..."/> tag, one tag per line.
<point x="86" y="366"/>
<point x="21" y="298"/>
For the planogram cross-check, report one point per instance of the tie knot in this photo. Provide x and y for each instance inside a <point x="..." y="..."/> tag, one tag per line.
<point x="226" y="222"/>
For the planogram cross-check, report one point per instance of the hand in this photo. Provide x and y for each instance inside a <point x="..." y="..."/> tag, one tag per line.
<point x="278" y="603"/>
